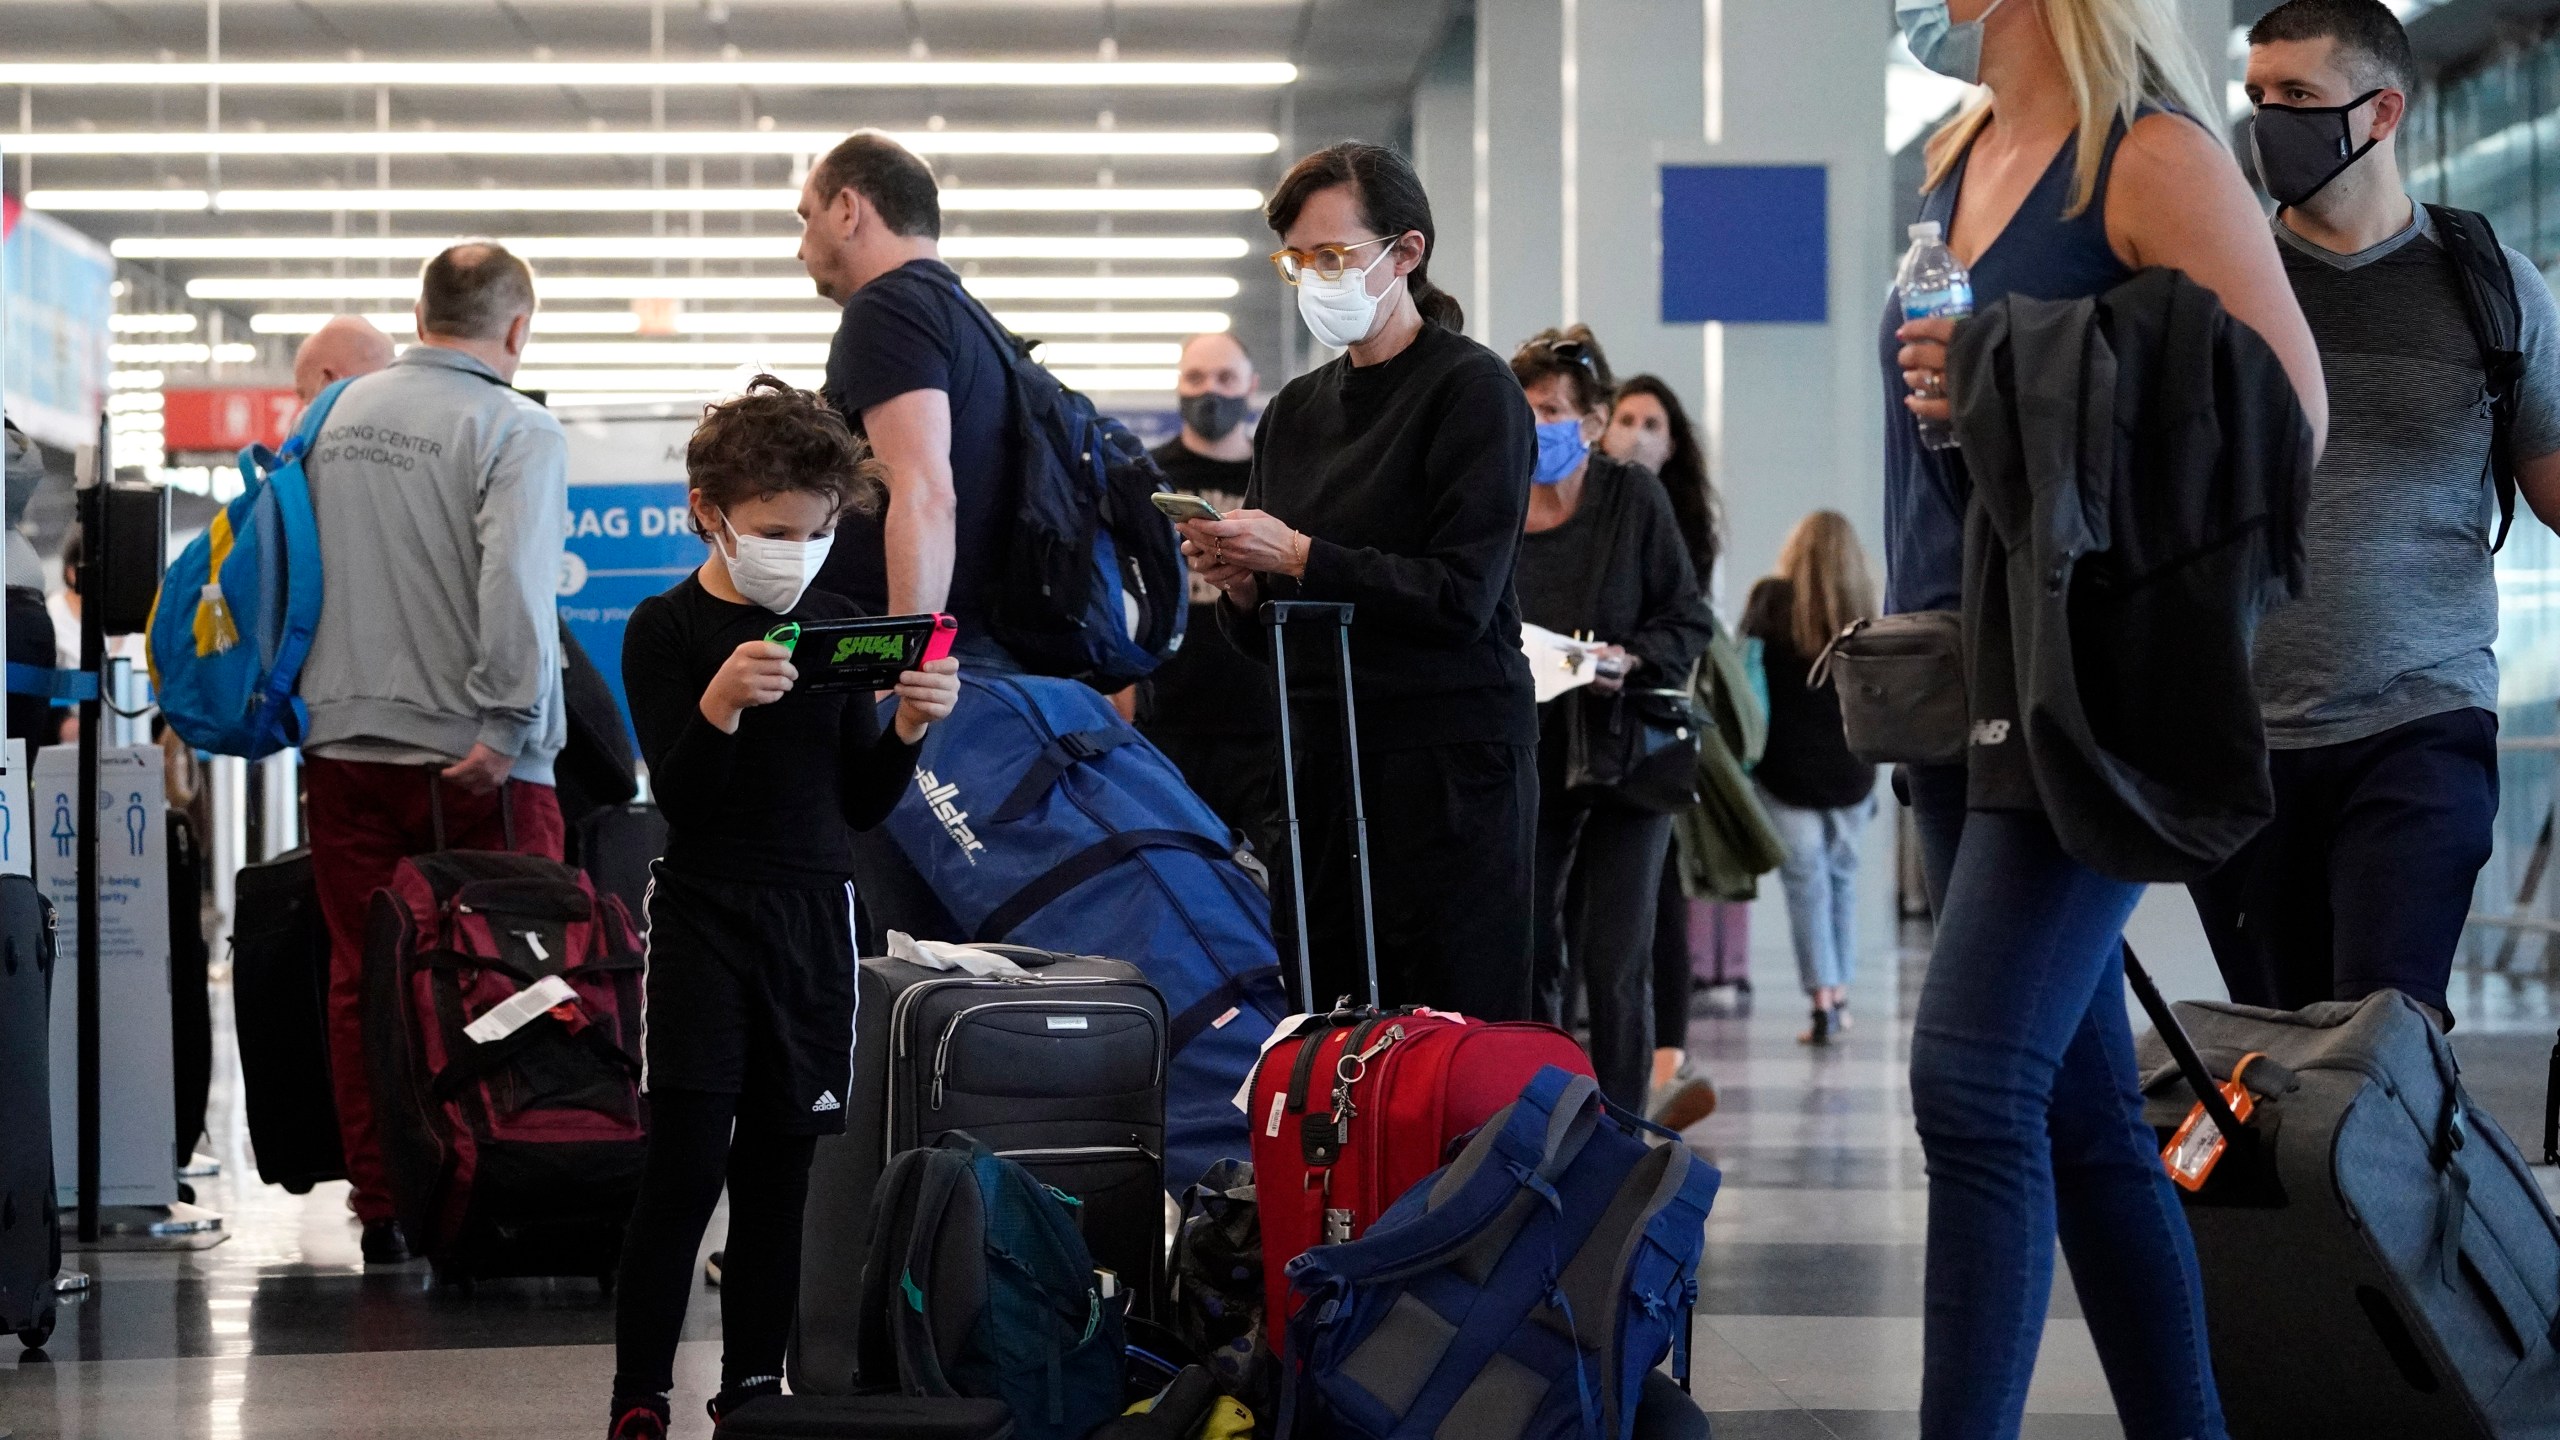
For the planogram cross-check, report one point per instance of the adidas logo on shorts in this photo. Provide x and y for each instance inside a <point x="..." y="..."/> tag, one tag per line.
<point x="826" y="1101"/>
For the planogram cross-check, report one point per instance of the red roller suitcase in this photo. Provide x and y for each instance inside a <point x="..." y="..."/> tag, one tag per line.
<point x="1351" y="1108"/>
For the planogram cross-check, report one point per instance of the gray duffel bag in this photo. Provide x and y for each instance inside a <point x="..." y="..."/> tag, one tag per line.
<point x="1900" y="679"/>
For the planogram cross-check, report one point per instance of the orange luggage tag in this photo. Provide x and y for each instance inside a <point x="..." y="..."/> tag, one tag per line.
<point x="2192" y="1153"/>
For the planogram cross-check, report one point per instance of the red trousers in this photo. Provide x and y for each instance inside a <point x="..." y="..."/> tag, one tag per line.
<point x="364" y="820"/>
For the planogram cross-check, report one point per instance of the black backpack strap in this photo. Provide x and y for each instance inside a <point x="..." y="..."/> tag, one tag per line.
<point x="913" y="1293"/>
<point x="2497" y="324"/>
<point x="892" y="1215"/>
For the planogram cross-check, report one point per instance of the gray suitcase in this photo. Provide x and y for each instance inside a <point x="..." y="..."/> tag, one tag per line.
<point x="1063" y="1073"/>
<point x="2378" y="1261"/>
<point x="30" y="1226"/>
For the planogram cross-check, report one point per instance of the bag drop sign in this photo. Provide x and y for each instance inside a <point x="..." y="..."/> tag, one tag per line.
<point x="137" y="1123"/>
<point x="628" y="534"/>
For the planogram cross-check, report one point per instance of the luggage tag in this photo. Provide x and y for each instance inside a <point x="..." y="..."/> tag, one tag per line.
<point x="542" y="997"/>
<point x="2192" y="1153"/>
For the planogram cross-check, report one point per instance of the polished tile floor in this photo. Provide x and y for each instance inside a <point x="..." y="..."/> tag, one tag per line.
<point x="1808" y="1328"/>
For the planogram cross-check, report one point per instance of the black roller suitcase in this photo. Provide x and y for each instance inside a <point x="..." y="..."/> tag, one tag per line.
<point x="190" y="1003"/>
<point x="2379" y="1263"/>
<point x="279" y="993"/>
<point x="1062" y="1072"/>
<point x="30" y="1226"/>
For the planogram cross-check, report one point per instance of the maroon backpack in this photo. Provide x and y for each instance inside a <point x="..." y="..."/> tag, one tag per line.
<point x="502" y="1026"/>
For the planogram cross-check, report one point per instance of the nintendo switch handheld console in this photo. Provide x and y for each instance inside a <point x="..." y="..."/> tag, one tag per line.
<point x="863" y="654"/>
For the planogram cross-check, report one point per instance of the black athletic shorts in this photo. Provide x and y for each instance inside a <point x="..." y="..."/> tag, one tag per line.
<point x="751" y="993"/>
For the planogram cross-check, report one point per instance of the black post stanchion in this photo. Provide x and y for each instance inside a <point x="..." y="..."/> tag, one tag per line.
<point x="93" y="649"/>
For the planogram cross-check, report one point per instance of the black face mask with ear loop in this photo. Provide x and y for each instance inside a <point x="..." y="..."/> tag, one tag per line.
<point x="2301" y="148"/>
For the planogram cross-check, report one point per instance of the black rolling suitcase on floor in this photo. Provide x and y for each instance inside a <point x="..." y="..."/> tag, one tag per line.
<point x="867" y="1417"/>
<point x="279" y="997"/>
<point x="1062" y="1072"/>
<point x="30" y="1226"/>
<point x="2379" y="1263"/>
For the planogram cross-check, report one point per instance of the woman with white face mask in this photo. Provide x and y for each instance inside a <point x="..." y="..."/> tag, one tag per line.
<point x="1396" y="478"/>
<point x="2075" y="165"/>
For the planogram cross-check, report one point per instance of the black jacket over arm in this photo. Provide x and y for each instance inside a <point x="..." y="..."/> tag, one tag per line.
<point x="2140" y="468"/>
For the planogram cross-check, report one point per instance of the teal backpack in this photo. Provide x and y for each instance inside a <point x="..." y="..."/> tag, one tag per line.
<point x="235" y="614"/>
<point x="979" y="1285"/>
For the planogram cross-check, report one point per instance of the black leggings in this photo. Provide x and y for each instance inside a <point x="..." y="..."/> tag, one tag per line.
<point x="691" y="1147"/>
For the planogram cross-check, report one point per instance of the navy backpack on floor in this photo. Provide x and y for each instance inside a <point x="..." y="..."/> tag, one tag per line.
<point x="1039" y="817"/>
<point x="1525" y="1290"/>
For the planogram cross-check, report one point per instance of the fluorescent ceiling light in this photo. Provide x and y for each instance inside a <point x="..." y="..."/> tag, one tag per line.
<point x="178" y="352"/>
<point x="556" y="74"/>
<point x="665" y="247"/>
<point x="1021" y="322"/>
<point x="152" y="324"/>
<point x="547" y="354"/>
<point x="402" y="322"/>
<point x="717" y="287"/>
<point x="1079" y="200"/>
<point x="533" y="143"/>
<point x="135" y="379"/>
<point x="701" y="383"/>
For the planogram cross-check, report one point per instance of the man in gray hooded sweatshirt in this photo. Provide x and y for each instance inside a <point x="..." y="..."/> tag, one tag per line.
<point x="435" y="674"/>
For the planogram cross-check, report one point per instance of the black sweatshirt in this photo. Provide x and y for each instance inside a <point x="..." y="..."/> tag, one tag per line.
<point x="1411" y="479"/>
<point x="1618" y="569"/>
<point x="744" y="807"/>
<point x="1807" y="762"/>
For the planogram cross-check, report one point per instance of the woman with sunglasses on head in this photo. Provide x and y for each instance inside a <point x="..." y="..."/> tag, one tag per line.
<point x="1602" y="558"/>
<point x="1395" y="478"/>
<point x="2085" y="157"/>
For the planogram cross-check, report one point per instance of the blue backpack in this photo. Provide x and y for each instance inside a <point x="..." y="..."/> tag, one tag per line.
<point x="1523" y="1290"/>
<point x="1093" y="587"/>
<point x="235" y="614"/>
<point x="979" y="1285"/>
<point x="1039" y="817"/>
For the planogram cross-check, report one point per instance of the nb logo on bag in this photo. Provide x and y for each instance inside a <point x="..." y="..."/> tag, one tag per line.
<point x="945" y="803"/>
<point x="1990" y="732"/>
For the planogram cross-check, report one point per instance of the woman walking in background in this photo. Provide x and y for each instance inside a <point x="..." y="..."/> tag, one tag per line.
<point x="1820" y="796"/>
<point x="1650" y="429"/>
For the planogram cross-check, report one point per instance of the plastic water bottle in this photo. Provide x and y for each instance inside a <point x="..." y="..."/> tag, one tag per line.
<point x="1932" y="282"/>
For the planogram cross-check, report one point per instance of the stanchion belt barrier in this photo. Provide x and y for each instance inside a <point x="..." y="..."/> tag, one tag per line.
<point x="66" y="686"/>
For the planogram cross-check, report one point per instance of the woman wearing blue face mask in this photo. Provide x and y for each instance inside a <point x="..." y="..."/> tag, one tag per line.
<point x="1603" y="558"/>
<point x="1395" y="477"/>
<point x="2073" y="167"/>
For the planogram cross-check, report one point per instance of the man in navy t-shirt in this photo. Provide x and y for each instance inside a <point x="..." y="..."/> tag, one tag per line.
<point x="920" y="376"/>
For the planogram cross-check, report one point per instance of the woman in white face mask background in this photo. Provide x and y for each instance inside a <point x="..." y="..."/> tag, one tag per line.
<point x="1396" y="478"/>
<point x="2075" y="165"/>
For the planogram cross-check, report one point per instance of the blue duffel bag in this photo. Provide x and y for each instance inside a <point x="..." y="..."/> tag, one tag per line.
<point x="1039" y="817"/>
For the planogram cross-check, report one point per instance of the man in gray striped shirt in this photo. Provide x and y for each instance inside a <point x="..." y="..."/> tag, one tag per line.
<point x="2378" y="685"/>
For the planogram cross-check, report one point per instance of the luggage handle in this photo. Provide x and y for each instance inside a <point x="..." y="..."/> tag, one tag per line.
<point x="435" y="810"/>
<point x="1277" y="614"/>
<point x="2182" y="1049"/>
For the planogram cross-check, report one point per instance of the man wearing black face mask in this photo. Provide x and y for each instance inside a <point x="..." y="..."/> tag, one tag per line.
<point x="2378" y="686"/>
<point x="1209" y="707"/>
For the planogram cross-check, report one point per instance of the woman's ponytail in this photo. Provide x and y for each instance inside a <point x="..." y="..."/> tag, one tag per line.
<point x="1392" y="201"/>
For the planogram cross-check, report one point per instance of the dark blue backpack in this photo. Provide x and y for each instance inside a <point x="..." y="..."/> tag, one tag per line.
<point x="1040" y="818"/>
<point x="980" y="1286"/>
<point x="1093" y="586"/>
<point x="1523" y="1290"/>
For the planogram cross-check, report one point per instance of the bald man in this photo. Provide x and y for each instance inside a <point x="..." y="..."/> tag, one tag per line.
<point x="1210" y="706"/>
<point x="347" y="346"/>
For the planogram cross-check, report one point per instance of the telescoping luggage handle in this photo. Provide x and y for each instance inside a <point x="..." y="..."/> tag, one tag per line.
<point x="1277" y="614"/>
<point x="2183" y="1050"/>
<point x="435" y="809"/>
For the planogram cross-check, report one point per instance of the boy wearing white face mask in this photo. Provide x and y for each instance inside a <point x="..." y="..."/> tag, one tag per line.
<point x="749" y="1036"/>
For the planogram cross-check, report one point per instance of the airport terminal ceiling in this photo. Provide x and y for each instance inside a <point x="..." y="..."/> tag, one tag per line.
<point x="302" y="158"/>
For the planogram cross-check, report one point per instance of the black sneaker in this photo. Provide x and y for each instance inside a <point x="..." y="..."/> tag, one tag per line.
<point x="639" y="1420"/>
<point x="711" y="1268"/>
<point x="384" y="1244"/>
<point x="737" y="1397"/>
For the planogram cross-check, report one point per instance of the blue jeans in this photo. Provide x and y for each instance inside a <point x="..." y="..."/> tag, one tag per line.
<point x="1820" y="874"/>
<point x="2024" y="1090"/>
